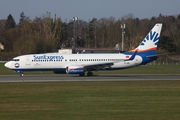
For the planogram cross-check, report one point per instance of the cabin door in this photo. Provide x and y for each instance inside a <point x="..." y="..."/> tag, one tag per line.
<point x="28" y="61"/>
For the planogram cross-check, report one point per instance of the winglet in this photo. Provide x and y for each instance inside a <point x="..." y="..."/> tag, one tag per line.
<point x="133" y="55"/>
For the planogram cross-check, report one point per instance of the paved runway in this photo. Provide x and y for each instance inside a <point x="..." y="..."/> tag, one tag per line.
<point x="64" y="77"/>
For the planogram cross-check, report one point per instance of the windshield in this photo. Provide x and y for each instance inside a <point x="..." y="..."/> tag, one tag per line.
<point x="15" y="60"/>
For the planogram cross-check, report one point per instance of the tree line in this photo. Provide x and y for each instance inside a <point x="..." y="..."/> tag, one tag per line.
<point x="47" y="34"/>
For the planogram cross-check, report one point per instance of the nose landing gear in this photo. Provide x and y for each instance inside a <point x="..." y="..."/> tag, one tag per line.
<point x="21" y="73"/>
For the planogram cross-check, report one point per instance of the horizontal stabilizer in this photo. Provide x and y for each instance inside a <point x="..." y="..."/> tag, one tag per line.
<point x="156" y="55"/>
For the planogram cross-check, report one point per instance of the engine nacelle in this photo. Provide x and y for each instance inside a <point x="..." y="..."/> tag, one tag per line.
<point x="75" y="69"/>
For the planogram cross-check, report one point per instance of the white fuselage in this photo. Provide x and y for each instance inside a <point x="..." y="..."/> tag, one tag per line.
<point x="51" y="62"/>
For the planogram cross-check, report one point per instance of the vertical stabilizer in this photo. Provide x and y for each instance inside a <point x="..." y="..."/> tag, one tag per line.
<point x="151" y="40"/>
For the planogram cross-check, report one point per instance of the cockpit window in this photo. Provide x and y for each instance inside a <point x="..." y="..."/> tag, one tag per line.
<point x="15" y="60"/>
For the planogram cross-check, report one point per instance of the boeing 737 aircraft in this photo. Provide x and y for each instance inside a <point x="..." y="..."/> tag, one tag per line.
<point x="82" y="63"/>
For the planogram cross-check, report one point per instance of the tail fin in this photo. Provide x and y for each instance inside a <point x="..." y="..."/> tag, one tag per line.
<point x="150" y="42"/>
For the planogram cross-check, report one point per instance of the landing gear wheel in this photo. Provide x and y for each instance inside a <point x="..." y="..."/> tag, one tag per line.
<point x="89" y="73"/>
<point x="21" y="74"/>
<point x="82" y="74"/>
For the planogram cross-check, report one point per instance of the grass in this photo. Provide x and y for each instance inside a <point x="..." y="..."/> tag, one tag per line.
<point x="148" y="69"/>
<point x="137" y="100"/>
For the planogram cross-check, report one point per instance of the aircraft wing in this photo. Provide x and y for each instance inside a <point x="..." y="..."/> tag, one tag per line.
<point x="98" y="66"/>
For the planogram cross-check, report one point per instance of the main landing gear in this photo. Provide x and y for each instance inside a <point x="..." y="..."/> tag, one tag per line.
<point x="89" y="73"/>
<point x="82" y="74"/>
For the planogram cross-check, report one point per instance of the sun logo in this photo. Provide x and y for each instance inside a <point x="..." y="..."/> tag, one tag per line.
<point x="151" y="39"/>
<point x="16" y="65"/>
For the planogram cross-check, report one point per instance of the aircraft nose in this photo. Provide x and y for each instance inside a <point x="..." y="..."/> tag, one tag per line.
<point x="7" y="64"/>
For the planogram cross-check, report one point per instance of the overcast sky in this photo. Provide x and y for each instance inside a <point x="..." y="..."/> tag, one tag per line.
<point x="87" y="9"/>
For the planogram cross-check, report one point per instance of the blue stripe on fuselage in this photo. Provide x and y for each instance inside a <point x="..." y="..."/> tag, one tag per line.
<point x="145" y="59"/>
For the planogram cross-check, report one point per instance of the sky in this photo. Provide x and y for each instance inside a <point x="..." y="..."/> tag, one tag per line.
<point x="88" y="9"/>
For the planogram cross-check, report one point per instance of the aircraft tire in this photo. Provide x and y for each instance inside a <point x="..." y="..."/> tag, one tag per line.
<point x="82" y="74"/>
<point x="21" y="74"/>
<point x="89" y="73"/>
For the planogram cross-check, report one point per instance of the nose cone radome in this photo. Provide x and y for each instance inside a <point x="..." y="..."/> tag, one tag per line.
<point x="7" y="64"/>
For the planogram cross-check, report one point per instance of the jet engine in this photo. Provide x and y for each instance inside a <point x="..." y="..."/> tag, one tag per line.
<point x="75" y="70"/>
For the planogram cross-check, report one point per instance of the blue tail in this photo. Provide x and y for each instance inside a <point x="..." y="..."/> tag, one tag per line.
<point x="148" y="46"/>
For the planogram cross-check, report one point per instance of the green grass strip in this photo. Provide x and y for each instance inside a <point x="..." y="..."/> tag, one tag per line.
<point x="132" y="100"/>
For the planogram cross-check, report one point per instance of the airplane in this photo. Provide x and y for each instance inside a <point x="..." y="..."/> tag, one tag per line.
<point x="86" y="63"/>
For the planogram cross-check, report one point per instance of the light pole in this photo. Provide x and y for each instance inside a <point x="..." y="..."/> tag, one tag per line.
<point x="74" y="32"/>
<point x="123" y="32"/>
